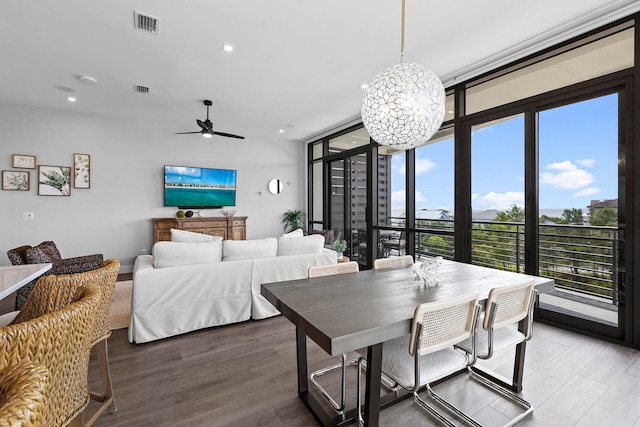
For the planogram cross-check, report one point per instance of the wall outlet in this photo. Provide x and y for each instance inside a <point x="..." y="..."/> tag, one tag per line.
<point x="27" y="216"/>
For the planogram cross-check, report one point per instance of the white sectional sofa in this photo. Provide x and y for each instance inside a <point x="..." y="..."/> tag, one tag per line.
<point x="197" y="281"/>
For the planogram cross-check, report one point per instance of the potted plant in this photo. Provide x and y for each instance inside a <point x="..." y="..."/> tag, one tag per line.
<point x="293" y="219"/>
<point x="340" y="246"/>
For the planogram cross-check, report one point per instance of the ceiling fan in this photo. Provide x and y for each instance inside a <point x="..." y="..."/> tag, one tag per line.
<point x="207" y="127"/>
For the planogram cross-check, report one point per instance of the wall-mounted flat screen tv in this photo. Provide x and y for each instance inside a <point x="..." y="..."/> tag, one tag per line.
<point x="199" y="188"/>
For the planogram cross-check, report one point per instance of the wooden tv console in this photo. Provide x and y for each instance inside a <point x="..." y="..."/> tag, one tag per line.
<point x="229" y="228"/>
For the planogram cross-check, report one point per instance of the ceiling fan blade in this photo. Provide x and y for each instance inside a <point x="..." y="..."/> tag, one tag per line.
<point x="229" y="135"/>
<point x="203" y="125"/>
<point x="183" y="133"/>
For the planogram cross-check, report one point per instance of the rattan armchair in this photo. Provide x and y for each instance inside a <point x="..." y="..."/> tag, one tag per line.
<point x="60" y="341"/>
<point x="22" y="394"/>
<point x="47" y="252"/>
<point x="53" y="292"/>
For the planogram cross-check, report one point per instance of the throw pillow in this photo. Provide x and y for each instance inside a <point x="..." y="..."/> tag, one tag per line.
<point x="36" y="255"/>
<point x="171" y="254"/>
<point x="189" y="236"/>
<point x="233" y="250"/>
<point x="328" y="235"/>
<point x="300" y="245"/>
<point x="294" y="233"/>
<point x="50" y="249"/>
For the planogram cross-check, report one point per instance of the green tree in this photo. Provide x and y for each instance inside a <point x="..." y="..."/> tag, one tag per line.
<point x="605" y="216"/>
<point x="513" y="214"/>
<point x="572" y="216"/>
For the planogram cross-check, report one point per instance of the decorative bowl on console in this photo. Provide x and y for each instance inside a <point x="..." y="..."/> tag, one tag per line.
<point x="228" y="212"/>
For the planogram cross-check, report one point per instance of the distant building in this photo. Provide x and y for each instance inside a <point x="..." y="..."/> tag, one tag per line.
<point x="436" y="214"/>
<point x="597" y="204"/>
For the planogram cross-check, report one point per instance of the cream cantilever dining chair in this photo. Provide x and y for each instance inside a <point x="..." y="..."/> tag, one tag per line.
<point x="328" y="270"/>
<point x="428" y="354"/>
<point x="392" y="262"/>
<point x="505" y="307"/>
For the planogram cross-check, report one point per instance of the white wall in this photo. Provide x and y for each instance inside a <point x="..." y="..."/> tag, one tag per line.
<point x="113" y="217"/>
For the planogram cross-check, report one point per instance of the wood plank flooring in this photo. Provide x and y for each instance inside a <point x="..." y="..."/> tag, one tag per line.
<point x="244" y="375"/>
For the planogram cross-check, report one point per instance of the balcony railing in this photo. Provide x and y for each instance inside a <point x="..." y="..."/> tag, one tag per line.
<point x="579" y="258"/>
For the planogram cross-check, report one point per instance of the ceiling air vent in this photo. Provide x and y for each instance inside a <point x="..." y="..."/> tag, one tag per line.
<point x="146" y="23"/>
<point x="141" y="89"/>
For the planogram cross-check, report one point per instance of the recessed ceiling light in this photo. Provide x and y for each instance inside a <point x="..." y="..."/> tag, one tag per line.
<point x="71" y="99"/>
<point x="207" y="135"/>
<point x="364" y="86"/>
<point x="280" y="130"/>
<point x="227" y="47"/>
<point x="65" y="89"/>
<point x="88" y="80"/>
<point x="354" y="142"/>
<point x="450" y="111"/>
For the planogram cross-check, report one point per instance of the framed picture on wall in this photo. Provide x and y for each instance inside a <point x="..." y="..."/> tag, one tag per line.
<point x="82" y="173"/>
<point x="54" y="180"/>
<point x="15" y="180"/>
<point x="23" y="161"/>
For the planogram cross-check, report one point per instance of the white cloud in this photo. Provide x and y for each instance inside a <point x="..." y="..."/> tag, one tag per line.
<point x="520" y="178"/>
<point x="587" y="192"/>
<point x="422" y="166"/>
<point x="398" y="199"/>
<point x="562" y="166"/>
<point x="398" y="196"/>
<point x="587" y="163"/>
<point x="566" y="175"/>
<point x="474" y="196"/>
<point x="502" y="201"/>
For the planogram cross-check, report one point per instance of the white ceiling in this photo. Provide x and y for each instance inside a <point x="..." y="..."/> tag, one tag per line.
<point x="297" y="64"/>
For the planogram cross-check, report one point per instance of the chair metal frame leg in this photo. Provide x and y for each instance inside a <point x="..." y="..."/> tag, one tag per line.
<point x="423" y="404"/>
<point x="106" y="398"/>
<point x="339" y="407"/>
<point x="506" y="393"/>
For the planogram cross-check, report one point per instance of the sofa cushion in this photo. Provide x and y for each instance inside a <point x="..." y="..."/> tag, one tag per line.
<point x="233" y="250"/>
<point x="300" y="245"/>
<point x="171" y="254"/>
<point x="295" y="233"/>
<point x="189" y="236"/>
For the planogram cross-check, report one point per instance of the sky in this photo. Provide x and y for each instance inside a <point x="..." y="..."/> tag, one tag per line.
<point x="578" y="146"/>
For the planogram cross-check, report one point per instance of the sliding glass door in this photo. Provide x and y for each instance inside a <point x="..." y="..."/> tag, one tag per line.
<point x="579" y="199"/>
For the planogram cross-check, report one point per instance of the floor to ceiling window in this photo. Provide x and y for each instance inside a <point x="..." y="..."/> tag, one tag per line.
<point x="434" y="196"/>
<point x="497" y="193"/>
<point x="578" y="193"/>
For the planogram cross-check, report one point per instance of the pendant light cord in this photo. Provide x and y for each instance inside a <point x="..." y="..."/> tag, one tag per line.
<point x="402" y="36"/>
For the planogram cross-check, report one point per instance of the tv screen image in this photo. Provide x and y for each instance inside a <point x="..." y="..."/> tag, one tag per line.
<point x="198" y="188"/>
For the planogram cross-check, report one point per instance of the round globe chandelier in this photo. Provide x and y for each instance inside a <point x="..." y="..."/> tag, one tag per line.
<point x="404" y="105"/>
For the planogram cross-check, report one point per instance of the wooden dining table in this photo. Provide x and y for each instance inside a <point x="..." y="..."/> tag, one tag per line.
<point x="13" y="277"/>
<point x="346" y="312"/>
